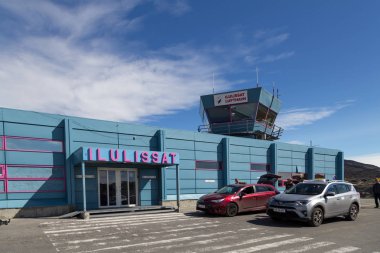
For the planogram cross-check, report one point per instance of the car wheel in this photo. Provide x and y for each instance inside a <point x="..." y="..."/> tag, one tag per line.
<point x="353" y="212"/>
<point x="316" y="217"/>
<point x="231" y="210"/>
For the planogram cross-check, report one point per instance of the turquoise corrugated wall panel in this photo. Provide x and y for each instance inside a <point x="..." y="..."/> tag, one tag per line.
<point x="40" y="185"/>
<point x="259" y="159"/>
<point x="259" y="151"/>
<point x="86" y="136"/>
<point x="237" y="166"/>
<point x="31" y="203"/>
<point x="208" y="156"/>
<point x="241" y="175"/>
<point x="235" y="149"/>
<point x="14" y="157"/>
<point x="240" y="158"/>
<point x="134" y="129"/>
<point x="47" y="196"/>
<point x="25" y="172"/>
<point x="179" y="144"/>
<point x="76" y="145"/>
<point x="2" y="186"/>
<point x="183" y="173"/>
<point x="184" y="154"/>
<point x="28" y="117"/>
<point x="48" y="132"/>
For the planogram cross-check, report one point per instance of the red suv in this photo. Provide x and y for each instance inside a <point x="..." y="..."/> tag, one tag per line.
<point x="236" y="198"/>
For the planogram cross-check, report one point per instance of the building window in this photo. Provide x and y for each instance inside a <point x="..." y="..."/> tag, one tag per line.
<point x="32" y="144"/>
<point x="262" y="167"/>
<point x="208" y="165"/>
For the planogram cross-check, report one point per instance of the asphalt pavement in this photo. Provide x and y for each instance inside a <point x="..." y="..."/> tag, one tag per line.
<point x="192" y="231"/>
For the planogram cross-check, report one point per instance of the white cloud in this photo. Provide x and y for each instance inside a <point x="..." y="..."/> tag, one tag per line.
<point x="174" y="7"/>
<point x="373" y="159"/>
<point x="305" y="116"/>
<point x="296" y="142"/>
<point x="55" y="73"/>
<point x="273" y="58"/>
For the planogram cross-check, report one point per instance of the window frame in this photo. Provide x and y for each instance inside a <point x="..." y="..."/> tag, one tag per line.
<point x="267" y="167"/>
<point x="220" y="165"/>
<point x="32" y="139"/>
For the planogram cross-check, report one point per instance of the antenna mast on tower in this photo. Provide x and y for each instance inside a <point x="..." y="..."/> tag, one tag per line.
<point x="257" y="77"/>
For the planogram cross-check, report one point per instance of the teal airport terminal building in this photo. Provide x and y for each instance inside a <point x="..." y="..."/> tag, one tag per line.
<point x="63" y="163"/>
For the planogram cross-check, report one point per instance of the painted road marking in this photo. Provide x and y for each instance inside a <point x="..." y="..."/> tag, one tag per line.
<point x="251" y="241"/>
<point x="307" y="247"/>
<point x="145" y="244"/>
<point x="271" y="245"/>
<point x="343" y="250"/>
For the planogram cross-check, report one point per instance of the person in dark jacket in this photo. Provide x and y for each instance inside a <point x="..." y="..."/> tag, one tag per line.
<point x="289" y="184"/>
<point x="376" y="192"/>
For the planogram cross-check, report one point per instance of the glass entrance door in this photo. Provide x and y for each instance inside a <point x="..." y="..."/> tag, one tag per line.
<point x="117" y="187"/>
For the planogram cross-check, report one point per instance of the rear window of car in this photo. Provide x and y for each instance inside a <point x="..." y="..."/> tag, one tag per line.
<point x="261" y="188"/>
<point x="306" y="189"/>
<point x="342" y="188"/>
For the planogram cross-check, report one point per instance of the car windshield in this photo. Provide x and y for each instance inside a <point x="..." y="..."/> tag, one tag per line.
<point x="306" y="189"/>
<point x="229" y="189"/>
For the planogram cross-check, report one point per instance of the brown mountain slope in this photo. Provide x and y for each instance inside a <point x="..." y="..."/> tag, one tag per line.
<point x="362" y="175"/>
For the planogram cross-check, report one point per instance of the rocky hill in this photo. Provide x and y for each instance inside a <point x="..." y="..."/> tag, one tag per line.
<point x="362" y="175"/>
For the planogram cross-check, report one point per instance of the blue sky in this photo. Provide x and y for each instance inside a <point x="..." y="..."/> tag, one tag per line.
<point x="149" y="61"/>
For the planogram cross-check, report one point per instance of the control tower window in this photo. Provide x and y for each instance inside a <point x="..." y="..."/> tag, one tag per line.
<point x="265" y="114"/>
<point x="230" y="113"/>
<point x="261" y="112"/>
<point x="242" y="112"/>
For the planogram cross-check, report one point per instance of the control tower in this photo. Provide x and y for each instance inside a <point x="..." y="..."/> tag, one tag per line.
<point x="247" y="113"/>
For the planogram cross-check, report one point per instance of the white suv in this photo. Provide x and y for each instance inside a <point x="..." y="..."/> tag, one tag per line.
<point x="313" y="201"/>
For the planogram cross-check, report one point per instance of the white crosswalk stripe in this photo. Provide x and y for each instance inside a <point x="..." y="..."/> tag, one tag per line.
<point x="271" y="245"/>
<point x="307" y="247"/>
<point x="343" y="250"/>
<point x="176" y="233"/>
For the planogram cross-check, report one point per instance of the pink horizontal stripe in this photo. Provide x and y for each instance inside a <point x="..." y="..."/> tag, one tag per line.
<point x="35" y="139"/>
<point x="31" y="138"/>
<point x="34" y="178"/>
<point x="207" y="169"/>
<point x="29" y="150"/>
<point x="34" y="166"/>
<point x="47" y="191"/>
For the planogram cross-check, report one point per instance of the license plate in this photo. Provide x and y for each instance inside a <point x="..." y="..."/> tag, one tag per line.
<point x="279" y="210"/>
<point x="201" y="206"/>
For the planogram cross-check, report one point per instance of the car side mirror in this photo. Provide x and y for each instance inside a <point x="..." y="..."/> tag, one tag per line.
<point x="330" y="194"/>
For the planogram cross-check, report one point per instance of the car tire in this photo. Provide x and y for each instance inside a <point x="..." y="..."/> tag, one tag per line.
<point x="232" y="210"/>
<point x="352" y="212"/>
<point x="316" y="217"/>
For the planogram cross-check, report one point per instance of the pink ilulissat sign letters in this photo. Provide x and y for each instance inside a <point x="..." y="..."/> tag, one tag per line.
<point x="129" y="156"/>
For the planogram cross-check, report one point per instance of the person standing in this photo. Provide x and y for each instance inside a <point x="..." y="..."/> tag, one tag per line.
<point x="376" y="192"/>
<point x="289" y="184"/>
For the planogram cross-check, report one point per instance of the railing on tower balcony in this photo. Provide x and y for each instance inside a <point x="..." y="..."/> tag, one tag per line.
<point x="244" y="128"/>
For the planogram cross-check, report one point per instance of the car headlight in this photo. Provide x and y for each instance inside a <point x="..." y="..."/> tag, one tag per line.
<point x="302" y="202"/>
<point x="217" y="200"/>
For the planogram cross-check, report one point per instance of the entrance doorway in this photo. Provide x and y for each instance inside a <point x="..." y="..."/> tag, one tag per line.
<point x="117" y="187"/>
